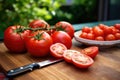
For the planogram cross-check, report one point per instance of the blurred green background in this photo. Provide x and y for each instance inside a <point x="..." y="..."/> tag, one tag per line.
<point x="21" y="12"/>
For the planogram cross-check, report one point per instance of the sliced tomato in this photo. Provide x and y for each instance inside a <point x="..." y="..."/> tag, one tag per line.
<point x="68" y="55"/>
<point x="82" y="60"/>
<point x="57" y="50"/>
<point x="91" y="51"/>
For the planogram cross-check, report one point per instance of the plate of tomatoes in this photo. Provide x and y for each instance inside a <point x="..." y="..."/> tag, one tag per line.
<point x="100" y="35"/>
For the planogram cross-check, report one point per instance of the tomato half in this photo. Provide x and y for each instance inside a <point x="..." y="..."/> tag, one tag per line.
<point x="62" y="37"/>
<point x="14" y="38"/>
<point x="39" y="23"/>
<point x="82" y="60"/>
<point x="68" y="55"/>
<point x="91" y="51"/>
<point x="57" y="50"/>
<point x="65" y="26"/>
<point x="39" y="44"/>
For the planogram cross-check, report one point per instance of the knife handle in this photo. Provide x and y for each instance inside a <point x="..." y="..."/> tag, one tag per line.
<point x="23" y="69"/>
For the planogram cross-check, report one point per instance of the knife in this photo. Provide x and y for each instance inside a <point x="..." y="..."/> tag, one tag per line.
<point x="31" y="67"/>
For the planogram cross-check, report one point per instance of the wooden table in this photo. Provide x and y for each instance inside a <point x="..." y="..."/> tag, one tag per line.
<point x="105" y="67"/>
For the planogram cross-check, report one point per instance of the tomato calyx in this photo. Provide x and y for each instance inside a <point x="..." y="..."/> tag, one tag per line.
<point x="38" y="36"/>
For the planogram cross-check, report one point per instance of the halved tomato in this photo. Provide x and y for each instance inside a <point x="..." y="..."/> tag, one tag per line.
<point x="68" y="55"/>
<point x="91" y="51"/>
<point x="57" y="50"/>
<point x="82" y="60"/>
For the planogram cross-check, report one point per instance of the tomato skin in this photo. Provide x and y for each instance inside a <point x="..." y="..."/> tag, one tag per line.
<point x="83" y="35"/>
<point x="97" y="31"/>
<point x="99" y="38"/>
<point x="15" y="42"/>
<point x="117" y="26"/>
<point x="90" y="36"/>
<point x="86" y="29"/>
<point x="62" y="37"/>
<point x="110" y="37"/>
<point x="68" y="55"/>
<point x="91" y="51"/>
<point x="39" y="48"/>
<point x="68" y="28"/>
<point x="117" y="35"/>
<point x="108" y="30"/>
<point x="82" y="60"/>
<point x="39" y="23"/>
<point x="57" y="50"/>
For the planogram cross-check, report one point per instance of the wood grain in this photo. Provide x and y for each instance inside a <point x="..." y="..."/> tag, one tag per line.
<point x="105" y="67"/>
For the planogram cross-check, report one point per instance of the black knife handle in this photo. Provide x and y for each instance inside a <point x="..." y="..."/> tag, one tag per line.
<point x="23" y="69"/>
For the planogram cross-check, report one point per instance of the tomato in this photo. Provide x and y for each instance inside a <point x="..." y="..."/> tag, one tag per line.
<point x="86" y="29"/>
<point x="65" y="26"/>
<point x="68" y="55"/>
<point x="39" y="23"/>
<point x="14" y="38"/>
<point x="2" y="76"/>
<point x="101" y="26"/>
<point x="62" y="37"/>
<point x="57" y="50"/>
<point x="39" y="44"/>
<point x="99" y="38"/>
<point x="97" y="31"/>
<point x="83" y="35"/>
<point x="91" y="51"/>
<point x="90" y="36"/>
<point x="117" y="26"/>
<point x="110" y="37"/>
<point x="117" y="35"/>
<point x="108" y="30"/>
<point x="82" y="60"/>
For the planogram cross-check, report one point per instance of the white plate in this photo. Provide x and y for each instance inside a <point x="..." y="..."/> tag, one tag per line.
<point x="94" y="42"/>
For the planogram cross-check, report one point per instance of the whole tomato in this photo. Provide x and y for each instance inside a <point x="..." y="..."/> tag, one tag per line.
<point x="14" y="38"/>
<point x="65" y="26"/>
<point x="62" y="37"/>
<point x="39" y="24"/>
<point x="38" y="44"/>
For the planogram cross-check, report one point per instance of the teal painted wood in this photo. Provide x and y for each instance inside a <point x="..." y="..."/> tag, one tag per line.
<point x="109" y="23"/>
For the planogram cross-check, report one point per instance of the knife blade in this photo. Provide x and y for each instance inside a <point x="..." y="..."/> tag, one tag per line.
<point x="31" y="67"/>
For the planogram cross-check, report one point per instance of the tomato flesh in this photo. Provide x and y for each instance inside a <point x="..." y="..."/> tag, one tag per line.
<point x="68" y="55"/>
<point x="82" y="60"/>
<point x="57" y="50"/>
<point x="91" y="51"/>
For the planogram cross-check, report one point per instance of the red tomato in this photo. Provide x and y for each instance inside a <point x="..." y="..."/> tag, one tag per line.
<point x="68" y="55"/>
<point x="101" y="26"/>
<point x="57" y="50"/>
<point x="91" y="51"/>
<point x="39" y="23"/>
<point x="117" y="35"/>
<point x="83" y="35"/>
<point x="62" y="37"/>
<point x="82" y="60"/>
<point x="99" y="38"/>
<point x="110" y="37"/>
<point x="2" y="76"/>
<point x="14" y="38"/>
<point x="39" y="44"/>
<point x="108" y="30"/>
<point x="97" y="31"/>
<point x="90" y="36"/>
<point x="117" y="26"/>
<point x="66" y="26"/>
<point x="86" y="29"/>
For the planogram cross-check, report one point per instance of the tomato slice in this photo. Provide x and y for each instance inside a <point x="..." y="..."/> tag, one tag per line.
<point x="91" y="51"/>
<point x="82" y="60"/>
<point x="57" y="50"/>
<point x="68" y="55"/>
